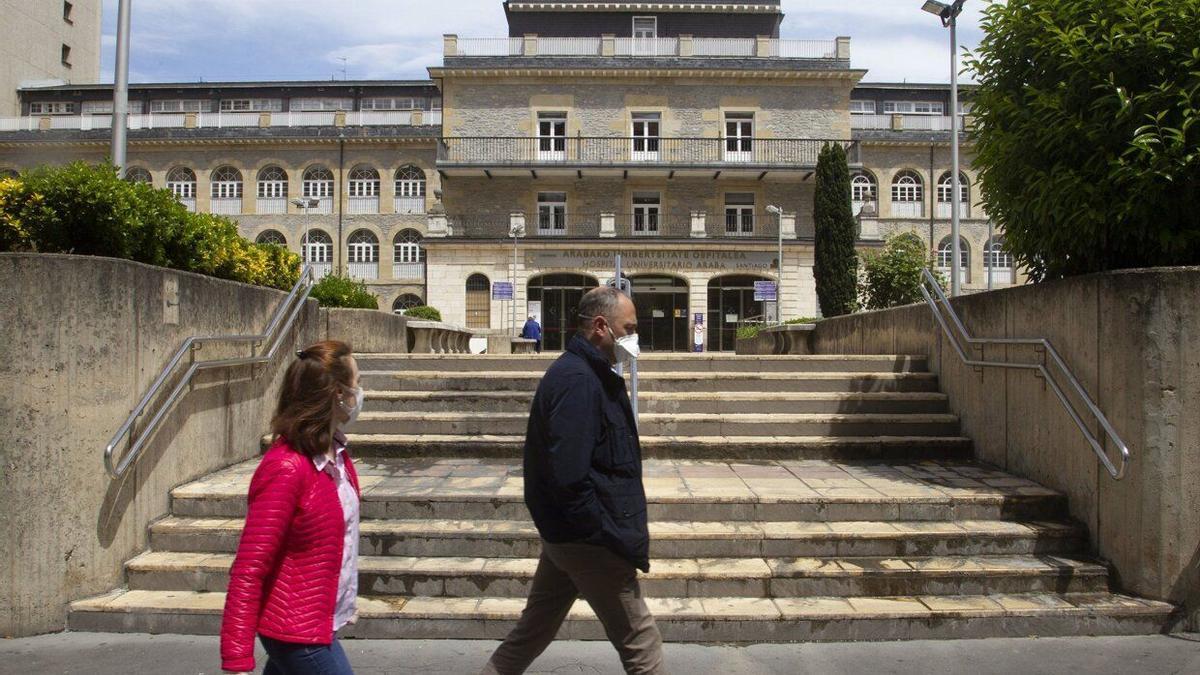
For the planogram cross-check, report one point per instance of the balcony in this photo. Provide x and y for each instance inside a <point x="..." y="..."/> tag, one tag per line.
<point x="271" y="206"/>
<point x="414" y="205"/>
<point x="363" y="271"/>
<point x="363" y="205"/>
<point x="226" y="206"/>
<point x="683" y="46"/>
<point x="908" y="122"/>
<point x="402" y="271"/>
<point x="226" y="120"/>
<point x="601" y="226"/>
<point x="523" y="155"/>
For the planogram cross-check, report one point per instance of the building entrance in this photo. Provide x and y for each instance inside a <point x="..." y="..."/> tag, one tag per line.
<point x="662" y="313"/>
<point x="730" y="303"/>
<point x="560" y="295"/>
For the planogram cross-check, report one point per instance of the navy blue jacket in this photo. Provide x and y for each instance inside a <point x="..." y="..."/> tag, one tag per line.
<point x="583" y="461"/>
<point x="531" y="331"/>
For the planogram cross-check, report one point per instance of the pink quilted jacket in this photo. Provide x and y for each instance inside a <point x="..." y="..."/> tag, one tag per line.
<point x="283" y="583"/>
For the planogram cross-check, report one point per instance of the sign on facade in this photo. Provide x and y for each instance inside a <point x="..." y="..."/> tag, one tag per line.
<point x="662" y="260"/>
<point x="502" y="290"/>
<point x="764" y="291"/>
<point x="698" y="333"/>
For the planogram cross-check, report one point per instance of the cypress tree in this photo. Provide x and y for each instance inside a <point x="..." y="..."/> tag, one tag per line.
<point x="836" y="265"/>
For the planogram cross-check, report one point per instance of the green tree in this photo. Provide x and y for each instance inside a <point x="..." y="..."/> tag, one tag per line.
<point x="1088" y="132"/>
<point x="836" y="265"/>
<point x="339" y="291"/>
<point x="892" y="277"/>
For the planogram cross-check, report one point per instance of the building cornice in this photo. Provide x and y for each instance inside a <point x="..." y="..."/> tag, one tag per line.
<point x="642" y="73"/>
<point x="689" y="7"/>
<point x="223" y="142"/>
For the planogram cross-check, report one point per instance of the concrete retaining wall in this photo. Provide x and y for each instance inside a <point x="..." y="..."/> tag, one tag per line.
<point x="1133" y="340"/>
<point x="80" y="340"/>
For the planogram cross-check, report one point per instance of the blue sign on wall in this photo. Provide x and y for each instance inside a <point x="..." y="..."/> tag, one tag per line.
<point x="764" y="291"/>
<point x="502" y="290"/>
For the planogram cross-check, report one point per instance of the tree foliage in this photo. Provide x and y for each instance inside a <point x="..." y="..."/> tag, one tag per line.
<point x="1088" y="132"/>
<point x="892" y="277"/>
<point x="339" y="291"/>
<point x="836" y="264"/>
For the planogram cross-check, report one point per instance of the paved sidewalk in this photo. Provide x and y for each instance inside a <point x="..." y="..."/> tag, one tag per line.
<point x="109" y="654"/>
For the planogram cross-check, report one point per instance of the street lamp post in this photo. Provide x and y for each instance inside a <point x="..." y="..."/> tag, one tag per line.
<point x="949" y="16"/>
<point x="779" y="282"/>
<point x="121" y="88"/>
<point x="304" y="204"/>
<point x="515" y="230"/>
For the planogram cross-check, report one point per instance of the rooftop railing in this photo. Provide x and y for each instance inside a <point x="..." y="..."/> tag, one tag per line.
<point x="902" y="122"/>
<point x="683" y="46"/>
<point x="221" y="120"/>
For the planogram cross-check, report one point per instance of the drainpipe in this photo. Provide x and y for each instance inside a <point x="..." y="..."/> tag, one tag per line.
<point x="931" y="195"/>
<point x="340" y="196"/>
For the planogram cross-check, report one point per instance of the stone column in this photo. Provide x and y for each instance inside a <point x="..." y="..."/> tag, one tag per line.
<point x="449" y="44"/>
<point x="686" y="46"/>
<point x="531" y="44"/>
<point x="843" y="47"/>
<point x="608" y="44"/>
<point x="436" y="224"/>
<point x="762" y="46"/>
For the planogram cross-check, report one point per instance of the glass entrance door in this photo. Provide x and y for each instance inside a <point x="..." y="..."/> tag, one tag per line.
<point x="730" y="304"/>
<point x="560" y="295"/>
<point x="662" y="313"/>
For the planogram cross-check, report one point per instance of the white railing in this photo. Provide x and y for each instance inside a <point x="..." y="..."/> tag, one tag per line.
<point x="962" y="273"/>
<point x="324" y="207"/>
<point x="218" y="120"/>
<point x="908" y="209"/>
<point x="226" y="206"/>
<point x="943" y="210"/>
<point x="362" y="205"/>
<point x="409" y="204"/>
<point x="552" y="232"/>
<point x="803" y="49"/>
<point x="646" y="47"/>
<point x="222" y="119"/>
<point x="724" y="46"/>
<point x="408" y="271"/>
<point x="490" y="46"/>
<point x="380" y="118"/>
<point x="433" y="117"/>
<point x="870" y="121"/>
<point x="303" y="119"/>
<point x="558" y="46"/>
<point x="271" y="206"/>
<point x="363" y="270"/>
<point x="189" y="203"/>
<point x="321" y="269"/>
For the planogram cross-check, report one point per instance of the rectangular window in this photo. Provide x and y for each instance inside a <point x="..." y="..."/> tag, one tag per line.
<point x="66" y="55"/>
<point x="739" y="214"/>
<point x="739" y="137"/>
<point x="405" y="103"/>
<point x="552" y="135"/>
<point x="862" y="107"/>
<point x="321" y="104"/>
<point x="252" y="105"/>
<point x="645" y="136"/>
<point x="914" y="107"/>
<point x="552" y="213"/>
<point x="106" y="107"/>
<point x="52" y="108"/>
<point x="645" y="27"/>
<point x="68" y="12"/>
<point x="647" y="209"/>
<point x="193" y="105"/>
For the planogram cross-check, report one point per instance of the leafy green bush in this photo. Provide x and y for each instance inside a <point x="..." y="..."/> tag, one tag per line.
<point x="748" y="331"/>
<point x="892" y="277"/>
<point x="338" y="291"/>
<point x="1087" y="129"/>
<point x="807" y="319"/>
<point x="424" y="312"/>
<point x="86" y="209"/>
<point x="836" y="264"/>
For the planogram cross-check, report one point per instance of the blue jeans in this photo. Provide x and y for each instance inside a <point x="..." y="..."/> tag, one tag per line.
<point x="288" y="658"/>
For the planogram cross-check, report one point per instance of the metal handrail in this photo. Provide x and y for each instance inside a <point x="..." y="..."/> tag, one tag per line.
<point x="928" y="281"/>
<point x="282" y="321"/>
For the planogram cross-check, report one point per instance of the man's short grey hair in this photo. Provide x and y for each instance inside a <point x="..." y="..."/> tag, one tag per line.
<point x="601" y="301"/>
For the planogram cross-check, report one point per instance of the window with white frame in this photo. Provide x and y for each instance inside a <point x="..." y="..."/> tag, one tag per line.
<point x="410" y="190"/>
<point x="552" y="213"/>
<point x="552" y="135"/>
<point x="272" y="183"/>
<point x="914" y="107"/>
<point x="908" y="195"/>
<point x="739" y="136"/>
<point x="138" y="175"/>
<point x="387" y="103"/>
<point x="106" y="108"/>
<point x="274" y="237"/>
<point x="317" y="247"/>
<point x="364" y="182"/>
<point x="318" y="182"/>
<point x="406" y="302"/>
<point x="226" y="183"/>
<point x="407" y="247"/>
<point x="945" y="254"/>
<point x="739" y="213"/>
<point x="181" y="106"/>
<point x="645" y="27"/>
<point x="320" y="104"/>
<point x="181" y="181"/>
<point x="251" y="105"/>
<point x="647" y="211"/>
<point x="863" y="190"/>
<point x="998" y="260"/>
<point x="363" y="247"/>
<point x="645" y="135"/>
<point x="860" y="107"/>
<point x="52" y="108"/>
<point x="945" y="189"/>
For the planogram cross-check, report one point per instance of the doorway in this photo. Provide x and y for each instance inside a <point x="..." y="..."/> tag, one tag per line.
<point x="662" y="313"/>
<point x="730" y="303"/>
<point x="560" y="295"/>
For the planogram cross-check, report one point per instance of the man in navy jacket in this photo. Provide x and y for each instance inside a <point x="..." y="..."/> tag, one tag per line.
<point x="583" y="486"/>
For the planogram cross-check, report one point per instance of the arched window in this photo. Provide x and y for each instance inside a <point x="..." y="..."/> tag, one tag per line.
<point x="318" y="184"/>
<point x="863" y="191"/>
<point x="8" y="173"/>
<point x="271" y="237"/>
<point x="410" y="190"/>
<point x="908" y="195"/>
<point x="945" y="189"/>
<point x="479" y="301"/>
<point x="945" y="254"/>
<point x="226" y="190"/>
<point x="999" y="262"/>
<point x="317" y="250"/>
<point x="406" y="302"/>
<point x="408" y="261"/>
<point x="363" y="190"/>
<point x="272" y="191"/>
<point x="138" y="175"/>
<point x="181" y="181"/>
<point x="363" y="254"/>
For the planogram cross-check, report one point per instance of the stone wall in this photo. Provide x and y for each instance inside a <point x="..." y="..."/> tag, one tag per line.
<point x="1132" y="339"/>
<point x="82" y="339"/>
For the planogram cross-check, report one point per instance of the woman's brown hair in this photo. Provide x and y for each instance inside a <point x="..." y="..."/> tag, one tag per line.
<point x="310" y="391"/>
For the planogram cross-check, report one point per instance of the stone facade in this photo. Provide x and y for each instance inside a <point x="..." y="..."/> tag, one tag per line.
<point x="35" y="34"/>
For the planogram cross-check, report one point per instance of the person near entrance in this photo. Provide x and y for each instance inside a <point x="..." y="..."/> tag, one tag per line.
<point x="583" y="486"/>
<point x="533" y="331"/>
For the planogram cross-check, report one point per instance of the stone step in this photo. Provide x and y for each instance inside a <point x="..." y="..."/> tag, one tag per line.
<point x="519" y="538"/>
<point x="731" y="620"/>
<point x="669" y="424"/>
<point x="757" y="448"/>
<point x="723" y="381"/>
<point x="679" y="577"/>
<point x="661" y="402"/>
<point x="649" y="363"/>
<point x="677" y="490"/>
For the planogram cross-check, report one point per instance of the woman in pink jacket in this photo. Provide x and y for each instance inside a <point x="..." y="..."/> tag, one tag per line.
<point x="295" y="578"/>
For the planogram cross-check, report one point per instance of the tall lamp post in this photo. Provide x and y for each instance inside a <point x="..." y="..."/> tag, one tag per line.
<point x="949" y="16"/>
<point x="779" y="283"/>
<point x="121" y="88"/>
<point x="515" y="230"/>
<point x="304" y="204"/>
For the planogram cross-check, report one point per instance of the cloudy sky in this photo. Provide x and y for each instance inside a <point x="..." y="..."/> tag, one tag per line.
<point x="222" y="40"/>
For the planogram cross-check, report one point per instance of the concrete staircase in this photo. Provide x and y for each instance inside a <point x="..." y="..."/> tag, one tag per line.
<point x="791" y="498"/>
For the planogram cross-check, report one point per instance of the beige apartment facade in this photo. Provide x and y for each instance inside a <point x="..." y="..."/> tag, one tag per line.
<point x="41" y="40"/>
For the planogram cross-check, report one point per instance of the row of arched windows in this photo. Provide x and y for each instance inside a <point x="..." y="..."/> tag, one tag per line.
<point x="996" y="260"/>
<point x="362" y="245"/>
<point x="908" y="192"/>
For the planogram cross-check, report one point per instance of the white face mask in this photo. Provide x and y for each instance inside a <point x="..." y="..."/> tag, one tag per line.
<point x="626" y="346"/>
<point x="355" y="408"/>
